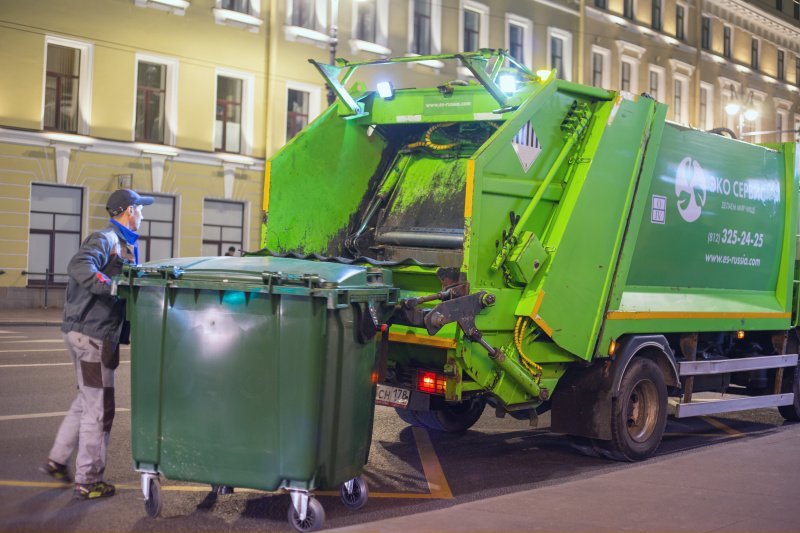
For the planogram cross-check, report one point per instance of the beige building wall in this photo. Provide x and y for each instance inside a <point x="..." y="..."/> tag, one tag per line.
<point x="272" y="55"/>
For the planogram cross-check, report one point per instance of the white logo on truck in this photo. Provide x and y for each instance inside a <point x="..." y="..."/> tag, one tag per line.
<point x="526" y="145"/>
<point x="690" y="188"/>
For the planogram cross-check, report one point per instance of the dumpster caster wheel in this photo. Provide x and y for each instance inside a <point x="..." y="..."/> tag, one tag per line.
<point x="354" y="493"/>
<point x="152" y="505"/>
<point x="221" y="489"/>
<point x="315" y="517"/>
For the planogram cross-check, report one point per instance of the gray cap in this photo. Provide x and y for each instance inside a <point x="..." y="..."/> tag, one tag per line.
<point x="121" y="199"/>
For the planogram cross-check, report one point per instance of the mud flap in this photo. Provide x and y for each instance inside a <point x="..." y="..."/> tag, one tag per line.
<point x="581" y="404"/>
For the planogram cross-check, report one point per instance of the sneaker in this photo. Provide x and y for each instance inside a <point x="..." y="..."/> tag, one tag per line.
<point x="92" y="491"/>
<point x="57" y="471"/>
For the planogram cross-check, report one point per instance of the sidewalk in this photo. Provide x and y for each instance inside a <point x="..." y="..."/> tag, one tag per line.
<point x="744" y="486"/>
<point x="51" y="316"/>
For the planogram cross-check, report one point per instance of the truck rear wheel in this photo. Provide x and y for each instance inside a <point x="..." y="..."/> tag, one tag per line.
<point x="638" y="413"/>
<point x="447" y="417"/>
<point x="791" y="383"/>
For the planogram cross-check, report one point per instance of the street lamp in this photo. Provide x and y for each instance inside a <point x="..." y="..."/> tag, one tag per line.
<point x="334" y="41"/>
<point x="737" y="106"/>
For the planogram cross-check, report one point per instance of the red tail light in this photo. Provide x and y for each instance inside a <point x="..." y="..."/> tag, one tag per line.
<point x="431" y="382"/>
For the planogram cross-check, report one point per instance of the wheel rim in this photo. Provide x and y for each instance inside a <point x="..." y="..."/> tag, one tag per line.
<point x="641" y="411"/>
<point x="354" y="496"/>
<point x="307" y="524"/>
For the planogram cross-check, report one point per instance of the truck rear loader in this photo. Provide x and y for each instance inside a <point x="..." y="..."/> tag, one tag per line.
<point x="555" y="246"/>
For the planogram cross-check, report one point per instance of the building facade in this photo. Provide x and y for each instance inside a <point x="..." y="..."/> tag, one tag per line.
<point x="185" y="99"/>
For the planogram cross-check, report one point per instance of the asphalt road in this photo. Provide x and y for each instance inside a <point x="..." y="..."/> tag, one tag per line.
<point x="409" y="470"/>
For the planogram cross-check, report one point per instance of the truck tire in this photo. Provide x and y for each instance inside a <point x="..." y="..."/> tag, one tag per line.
<point x="791" y="383"/>
<point x="447" y="417"/>
<point x="638" y="413"/>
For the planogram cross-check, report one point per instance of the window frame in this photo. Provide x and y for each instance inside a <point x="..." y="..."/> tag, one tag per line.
<point x="657" y="15"/>
<point x="222" y="243"/>
<point x="85" y="70"/>
<point x="147" y="238"/>
<point x="527" y="37"/>
<point x="727" y="41"/>
<point x="248" y="99"/>
<point x="755" y="53"/>
<point x="482" y="10"/>
<point x="681" y="11"/>
<point x="634" y="73"/>
<point x="705" y="32"/>
<point x="683" y="80"/>
<point x="662" y="76"/>
<point x="314" y="96"/>
<point x="709" y="114"/>
<point x="53" y="233"/>
<point x="170" y="96"/>
<point x="626" y="6"/>
<point x="566" y="37"/>
<point x="605" y="75"/>
<point x="435" y="21"/>
<point x="381" y="28"/>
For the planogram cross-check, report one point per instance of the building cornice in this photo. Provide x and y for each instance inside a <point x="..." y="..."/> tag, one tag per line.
<point x="755" y="20"/>
<point x="94" y="145"/>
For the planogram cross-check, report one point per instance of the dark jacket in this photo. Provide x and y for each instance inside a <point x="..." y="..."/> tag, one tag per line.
<point x="90" y="308"/>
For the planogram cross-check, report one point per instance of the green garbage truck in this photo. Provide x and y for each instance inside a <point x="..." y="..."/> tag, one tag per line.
<point x="555" y="246"/>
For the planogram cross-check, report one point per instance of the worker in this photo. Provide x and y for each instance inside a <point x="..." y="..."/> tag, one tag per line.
<point x="93" y="328"/>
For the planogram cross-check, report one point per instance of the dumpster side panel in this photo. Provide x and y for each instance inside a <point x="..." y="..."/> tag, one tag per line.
<point x="348" y="403"/>
<point x="146" y="308"/>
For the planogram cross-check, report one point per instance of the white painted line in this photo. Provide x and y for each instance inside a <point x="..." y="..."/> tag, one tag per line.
<point x="47" y="364"/>
<point x="48" y="415"/>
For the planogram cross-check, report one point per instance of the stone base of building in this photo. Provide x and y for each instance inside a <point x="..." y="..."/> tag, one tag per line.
<point x="31" y="297"/>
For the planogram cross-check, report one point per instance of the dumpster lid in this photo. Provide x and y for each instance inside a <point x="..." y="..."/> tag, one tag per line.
<point x="269" y="270"/>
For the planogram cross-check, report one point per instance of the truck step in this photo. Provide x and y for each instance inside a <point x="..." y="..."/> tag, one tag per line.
<point x="699" y="408"/>
<point x="722" y="366"/>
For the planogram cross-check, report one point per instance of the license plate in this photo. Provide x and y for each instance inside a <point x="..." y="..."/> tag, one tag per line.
<point x="392" y="396"/>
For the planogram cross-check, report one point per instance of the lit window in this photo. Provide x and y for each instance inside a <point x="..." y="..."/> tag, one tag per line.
<point x="150" y="102"/>
<point x="297" y="112"/>
<point x="228" y="131"/>
<point x="62" y="79"/>
<point x="55" y="232"/>
<point x="223" y="226"/>
<point x="156" y="234"/>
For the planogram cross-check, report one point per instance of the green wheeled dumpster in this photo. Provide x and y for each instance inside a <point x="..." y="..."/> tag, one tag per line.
<point x="255" y="372"/>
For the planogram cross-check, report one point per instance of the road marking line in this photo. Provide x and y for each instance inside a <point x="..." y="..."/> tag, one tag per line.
<point x="47" y="415"/>
<point x="434" y="475"/>
<point x="48" y="364"/>
<point x="205" y="488"/>
<point x="724" y="427"/>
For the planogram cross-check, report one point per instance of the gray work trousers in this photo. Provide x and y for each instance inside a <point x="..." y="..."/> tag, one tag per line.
<point x="88" y="421"/>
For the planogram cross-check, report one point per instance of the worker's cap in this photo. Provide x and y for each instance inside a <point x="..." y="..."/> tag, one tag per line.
<point x="121" y="199"/>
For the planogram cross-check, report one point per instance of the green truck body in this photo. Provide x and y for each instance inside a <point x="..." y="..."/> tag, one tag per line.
<point x="615" y="258"/>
